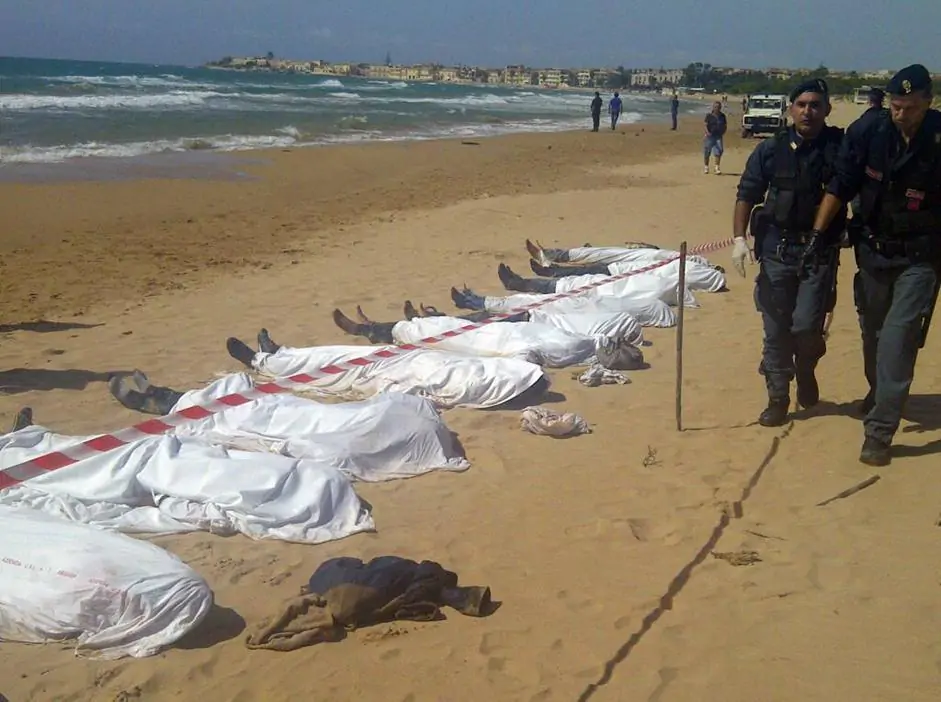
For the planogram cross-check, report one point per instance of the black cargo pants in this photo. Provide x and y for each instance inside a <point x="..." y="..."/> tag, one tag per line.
<point x="793" y="302"/>
<point x="891" y="304"/>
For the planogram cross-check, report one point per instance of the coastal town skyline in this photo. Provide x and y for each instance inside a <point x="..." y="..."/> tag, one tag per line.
<point x="519" y="75"/>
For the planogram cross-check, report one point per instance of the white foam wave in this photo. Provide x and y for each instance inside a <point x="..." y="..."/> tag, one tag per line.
<point x="330" y="83"/>
<point x="346" y="96"/>
<point x="173" y="98"/>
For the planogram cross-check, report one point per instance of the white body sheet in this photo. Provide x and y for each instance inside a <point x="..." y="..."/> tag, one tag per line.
<point x="383" y="438"/>
<point x="168" y="484"/>
<point x="608" y="255"/>
<point x="446" y="379"/>
<point x="598" y="324"/>
<point x="647" y="311"/>
<point x="111" y="594"/>
<point x="543" y="344"/>
<point x="660" y="284"/>
<point x="699" y="277"/>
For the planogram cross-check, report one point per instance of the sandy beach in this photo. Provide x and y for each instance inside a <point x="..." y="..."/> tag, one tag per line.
<point x="603" y="549"/>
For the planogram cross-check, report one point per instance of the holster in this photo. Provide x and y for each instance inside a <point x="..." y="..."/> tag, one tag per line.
<point x="758" y="223"/>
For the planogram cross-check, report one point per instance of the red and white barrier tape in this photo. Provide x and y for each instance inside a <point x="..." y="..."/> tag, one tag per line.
<point x="154" y="427"/>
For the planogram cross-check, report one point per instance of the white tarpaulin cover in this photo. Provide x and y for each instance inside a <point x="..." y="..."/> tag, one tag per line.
<point x="446" y="379"/>
<point x="167" y="484"/>
<point x="648" y="311"/>
<point x="662" y="286"/>
<point x="543" y="344"/>
<point x="699" y="277"/>
<point x="598" y="324"/>
<point x="109" y="593"/>
<point x="608" y="255"/>
<point x="386" y="437"/>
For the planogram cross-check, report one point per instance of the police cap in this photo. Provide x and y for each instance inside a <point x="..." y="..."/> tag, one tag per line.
<point x="909" y="80"/>
<point x="811" y="85"/>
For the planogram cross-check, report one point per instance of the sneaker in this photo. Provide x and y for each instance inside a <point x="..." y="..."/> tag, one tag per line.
<point x="705" y="170"/>
<point x="775" y="414"/>
<point x="718" y="172"/>
<point x="875" y="452"/>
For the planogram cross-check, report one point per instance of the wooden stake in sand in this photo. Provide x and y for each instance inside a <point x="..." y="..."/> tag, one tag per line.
<point x="680" y="300"/>
<point x="851" y="491"/>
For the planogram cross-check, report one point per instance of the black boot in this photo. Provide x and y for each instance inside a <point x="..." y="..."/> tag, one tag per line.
<point x="265" y="343"/>
<point x="466" y="299"/>
<point x="23" y="419"/>
<point x="875" y="452"/>
<point x="775" y="414"/>
<point x="135" y="392"/>
<point x="808" y="392"/>
<point x="240" y="351"/>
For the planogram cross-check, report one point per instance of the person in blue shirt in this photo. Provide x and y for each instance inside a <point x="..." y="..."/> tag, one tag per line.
<point x="614" y="108"/>
<point x="891" y="159"/>
<point x="787" y="177"/>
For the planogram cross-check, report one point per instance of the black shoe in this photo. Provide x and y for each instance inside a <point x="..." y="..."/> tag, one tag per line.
<point x="239" y="351"/>
<point x="23" y="419"/>
<point x="135" y="392"/>
<point x="775" y="414"/>
<point x="265" y="343"/>
<point x="808" y="392"/>
<point x="466" y="299"/>
<point x="875" y="452"/>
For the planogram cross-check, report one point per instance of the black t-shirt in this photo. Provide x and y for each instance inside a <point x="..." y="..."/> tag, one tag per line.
<point x="716" y="124"/>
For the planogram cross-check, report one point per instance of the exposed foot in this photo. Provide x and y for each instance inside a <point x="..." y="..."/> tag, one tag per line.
<point x="875" y="452"/>
<point x="410" y="311"/>
<point x="808" y="392"/>
<point x="430" y="310"/>
<point x="510" y="280"/>
<point x="775" y="414"/>
<point x="240" y="351"/>
<point x="361" y="316"/>
<point x="345" y="323"/>
<point x="23" y="419"/>
<point x="546" y="271"/>
<point x="265" y="343"/>
<point x="537" y="252"/>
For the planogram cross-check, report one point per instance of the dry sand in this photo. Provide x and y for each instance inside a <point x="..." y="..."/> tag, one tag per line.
<point x="604" y="561"/>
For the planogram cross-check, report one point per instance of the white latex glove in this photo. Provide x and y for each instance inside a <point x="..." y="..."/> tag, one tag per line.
<point x="741" y="252"/>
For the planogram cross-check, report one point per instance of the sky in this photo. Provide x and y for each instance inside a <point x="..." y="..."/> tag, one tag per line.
<point x="841" y="34"/>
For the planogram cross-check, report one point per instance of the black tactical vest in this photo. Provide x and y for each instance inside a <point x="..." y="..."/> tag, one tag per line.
<point x="901" y="193"/>
<point x="800" y="179"/>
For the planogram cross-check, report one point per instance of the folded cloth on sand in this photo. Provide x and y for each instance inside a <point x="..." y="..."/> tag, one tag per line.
<point x="545" y="422"/>
<point x="599" y="375"/>
<point x="345" y="594"/>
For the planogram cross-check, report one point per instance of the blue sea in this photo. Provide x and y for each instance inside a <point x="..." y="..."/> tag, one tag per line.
<point x="57" y="111"/>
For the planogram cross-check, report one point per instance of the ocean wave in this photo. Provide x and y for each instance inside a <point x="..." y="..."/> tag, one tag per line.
<point x="330" y="83"/>
<point x="346" y="96"/>
<point x="173" y="98"/>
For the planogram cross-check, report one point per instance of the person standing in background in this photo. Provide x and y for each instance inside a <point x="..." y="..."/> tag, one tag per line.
<point x="674" y="110"/>
<point x="596" y="106"/>
<point x="715" y="126"/>
<point x="614" y="108"/>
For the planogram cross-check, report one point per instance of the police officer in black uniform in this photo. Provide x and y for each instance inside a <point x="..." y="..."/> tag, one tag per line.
<point x="893" y="162"/>
<point x="796" y="281"/>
